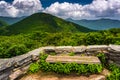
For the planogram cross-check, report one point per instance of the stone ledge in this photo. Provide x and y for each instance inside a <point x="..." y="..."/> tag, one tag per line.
<point x="76" y="59"/>
<point x="8" y="65"/>
<point x="64" y="49"/>
<point x="79" y="49"/>
<point x="114" y="48"/>
<point x="97" y="47"/>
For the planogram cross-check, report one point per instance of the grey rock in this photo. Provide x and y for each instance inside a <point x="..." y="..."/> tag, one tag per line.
<point x="114" y="48"/>
<point x="79" y="49"/>
<point x="99" y="77"/>
<point x="97" y="47"/>
<point x="49" y="49"/>
<point x="64" y="49"/>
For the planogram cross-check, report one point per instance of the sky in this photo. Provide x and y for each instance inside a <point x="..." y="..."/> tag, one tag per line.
<point x="46" y="3"/>
<point x="75" y="9"/>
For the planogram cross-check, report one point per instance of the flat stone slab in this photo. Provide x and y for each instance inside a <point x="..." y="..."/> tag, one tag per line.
<point x="115" y="48"/>
<point x="97" y="47"/>
<point x="79" y="49"/>
<point x="71" y="59"/>
<point x="64" y="49"/>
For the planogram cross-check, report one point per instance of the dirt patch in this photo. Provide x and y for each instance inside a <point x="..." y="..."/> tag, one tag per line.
<point x="53" y="76"/>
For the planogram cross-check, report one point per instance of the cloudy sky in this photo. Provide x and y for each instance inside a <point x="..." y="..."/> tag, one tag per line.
<point x="75" y="9"/>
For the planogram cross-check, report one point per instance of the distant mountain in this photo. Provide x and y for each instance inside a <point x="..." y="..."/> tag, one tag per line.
<point x="100" y="24"/>
<point x="43" y="22"/>
<point x="11" y="20"/>
<point x="2" y="23"/>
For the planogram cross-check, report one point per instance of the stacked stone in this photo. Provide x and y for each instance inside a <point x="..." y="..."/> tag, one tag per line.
<point x="114" y="54"/>
<point x="13" y="67"/>
<point x="77" y="49"/>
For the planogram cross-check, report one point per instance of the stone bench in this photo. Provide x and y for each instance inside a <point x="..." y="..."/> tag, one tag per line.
<point x="71" y="59"/>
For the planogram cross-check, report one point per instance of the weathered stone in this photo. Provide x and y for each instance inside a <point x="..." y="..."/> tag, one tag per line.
<point x="15" y="74"/>
<point x="105" y="72"/>
<point x="114" y="48"/>
<point x="49" y="49"/>
<point x="4" y="64"/>
<point x="99" y="77"/>
<point x="35" y="58"/>
<point x="7" y="65"/>
<point x="114" y="54"/>
<point x="117" y="62"/>
<point x="18" y="72"/>
<point x="5" y="74"/>
<point x="79" y="49"/>
<point x="114" y="58"/>
<point x="20" y="62"/>
<point x="76" y="59"/>
<point x="64" y="49"/>
<point x="97" y="48"/>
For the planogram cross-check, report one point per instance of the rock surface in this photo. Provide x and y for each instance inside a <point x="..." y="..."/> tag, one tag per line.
<point x="64" y="49"/>
<point x="76" y="59"/>
<point x="115" y="48"/>
<point x="7" y="66"/>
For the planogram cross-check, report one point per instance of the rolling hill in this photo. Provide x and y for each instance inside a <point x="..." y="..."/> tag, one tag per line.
<point x="2" y="23"/>
<point x="11" y="20"/>
<point x="43" y="22"/>
<point x="100" y="24"/>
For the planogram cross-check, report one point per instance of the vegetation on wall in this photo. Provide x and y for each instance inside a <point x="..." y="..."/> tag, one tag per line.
<point x="66" y="68"/>
<point x="115" y="72"/>
<point x="76" y="68"/>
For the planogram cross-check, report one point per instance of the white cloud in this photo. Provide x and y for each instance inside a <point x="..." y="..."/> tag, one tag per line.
<point x="20" y="8"/>
<point x="96" y="9"/>
<point x="66" y="10"/>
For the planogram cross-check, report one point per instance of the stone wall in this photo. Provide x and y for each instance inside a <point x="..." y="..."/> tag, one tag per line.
<point x="15" y="67"/>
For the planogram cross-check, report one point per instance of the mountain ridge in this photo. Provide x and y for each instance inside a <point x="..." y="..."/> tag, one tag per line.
<point x="11" y="20"/>
<point x="44" y="22"/>
<point x="3" y="23"/>
<point x="99" y="24"/>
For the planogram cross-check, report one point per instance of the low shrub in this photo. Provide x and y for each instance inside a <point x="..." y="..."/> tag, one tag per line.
<point x="71" y="54"/>
<point x="53" y="53"/>
<point x="34" y="67"/>
<point x="115" y="72"/>
<point x="102" y="58"/>
<point x="15" y="50"/>
<point x="67" y="68"/>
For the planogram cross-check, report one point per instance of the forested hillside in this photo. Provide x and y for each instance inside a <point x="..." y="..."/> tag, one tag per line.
<point x="42" y="22"/>
<point x="19" y="44"/>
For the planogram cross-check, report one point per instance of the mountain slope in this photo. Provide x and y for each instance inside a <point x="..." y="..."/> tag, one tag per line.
<point x="2" y="23"/>
<point x="44" y="23"/>
<point x="11" y="20"/>
<point x="100" y="24"/>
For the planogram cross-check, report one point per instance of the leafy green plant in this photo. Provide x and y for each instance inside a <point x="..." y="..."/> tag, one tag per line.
<point x="67" y="68"/>
<point x="52" y="53"/>
<point x="102" y="58"/>
<point x="34" y="67"/>
<point x="15" y="50"/>
<point x="115" y="72"/>
<point x="71" y="54"/>
<point x="33" y="40"/>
